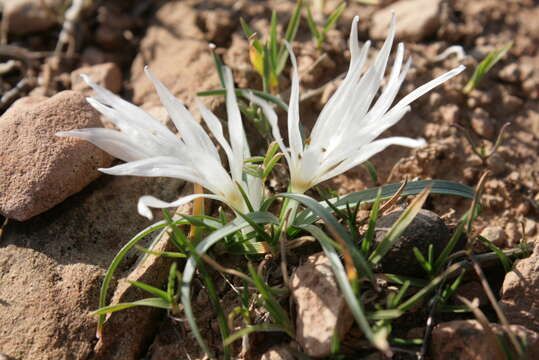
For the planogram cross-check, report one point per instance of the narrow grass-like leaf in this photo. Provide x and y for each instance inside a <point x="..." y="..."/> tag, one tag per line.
<point x="191" y="265"/>
<point x="400" y="295"/>
<point x="451" y="289"/>
<point x="388" y="314"/>
<point x="342" y="279"/>
<point x="312" y="26"/>
<point x="251" y="329"/>
<point x="244" y="93"/>
<point x="399" y="226"/>
<point x="401" y="280"/>
<point x="448" y="249"/>
<point x="334" y="17"/>
<point x="170" y="254"/>
<point x="441" y="187"/>
<point x="372" y="170"/>
<point x="289" y="36"/>
<point x="338" y="231"/>
<point x="246" y="28"/>
<point x="218" y="65"/>
<point x="171" y="283"/>
<point x="504" y="259"/>
<point x="151" y="302"/>
<point x="151" y="289"/>
<point x="422" y="261"/>
<point x="114" y="265"/>
<point x="368" y="239"/>
<point x="270" y="303"/>
<point x="273" y="39"/>
<point x="408" y="303"/>
<point x="484" y="66"/>
<point x="178" y="238"/>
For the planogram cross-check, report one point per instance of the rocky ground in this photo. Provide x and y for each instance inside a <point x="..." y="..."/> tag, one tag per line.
<point x="67" y="221"/>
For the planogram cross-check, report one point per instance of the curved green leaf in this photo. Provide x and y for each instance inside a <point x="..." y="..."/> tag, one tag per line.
<point x="440" y="187"/>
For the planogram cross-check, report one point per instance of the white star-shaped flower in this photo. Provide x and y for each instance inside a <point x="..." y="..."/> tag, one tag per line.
<point x="149" y="148"/>
<point x="345" y="132"/>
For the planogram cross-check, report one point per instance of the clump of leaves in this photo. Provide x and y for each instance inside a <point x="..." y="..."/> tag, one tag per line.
<point x="484" y="66"/>
<point x="319" y="33"/>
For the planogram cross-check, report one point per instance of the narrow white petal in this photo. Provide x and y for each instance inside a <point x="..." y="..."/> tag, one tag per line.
<point x="117" y="144"/>
<point x="158" y="166"/>
<point x="429" y="86"/>
<point x="216" y="129"/>
<point x="369" y="150"/>
<point x="236" y="132"/>
<point x="129" y="111"/>
<point x="146" y="202"/>
<point x="294" y="134"/>
<point x="192" y="133"/>
<point x="273" y="120"/>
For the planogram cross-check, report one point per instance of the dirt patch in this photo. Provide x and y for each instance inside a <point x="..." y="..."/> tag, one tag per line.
<point x="51" y="266"/>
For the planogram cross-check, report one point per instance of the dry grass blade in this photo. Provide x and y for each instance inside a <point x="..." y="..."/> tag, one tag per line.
<point x="388" y="204"/>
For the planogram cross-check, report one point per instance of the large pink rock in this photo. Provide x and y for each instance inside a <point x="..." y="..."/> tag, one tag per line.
<point x="321" y="307"/>
<point x="38" y="169"/>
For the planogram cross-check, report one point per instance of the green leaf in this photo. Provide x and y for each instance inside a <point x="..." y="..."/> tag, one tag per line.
<point x="270" y="165"/>
<point x="246" y="28"/>
<point x="334" y="17"/>
<point x="504" y="259"/>
<point x="448" y="249"/>
<point x="116" y="261"/>
<point x="336" y="229"/>
<point x="442" y="187"/>
<point x="289" y="36"/>
<point x="244" y="93"/>
<point x="251" y="329"/>
<point x="312" y="26"/>
<point x="388" y="314"/>
<point x="273" y="38"/>
<point x="191" y="265"/>
<point x="398" y="227"/>
<point x="372" y="170"/>
<point x="422" y="261"/>
<point x="484" y="66"/>
<point x="151" y="289"/>
<point x="151" y="302"/>
<point x="170" y="254"/>
<point x="368" y="240"/>
<point x="270" y="303"/>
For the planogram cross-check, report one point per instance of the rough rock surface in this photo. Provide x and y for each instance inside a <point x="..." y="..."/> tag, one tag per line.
<point x="28" y="16"/>
<point x="520" y="292"/>
<point x="426" y="228"/>
<point x="107" y="75"/>
<point x="321" y="308"/>
<point x="139" y="323"/>
<point x="279" y="352"/>
<point x="466" y="340"/>
<point x="177" y="53"/>
<point x="51" y="266"/>
<point x="416" y="19"/>
<point x="38" y="170"/>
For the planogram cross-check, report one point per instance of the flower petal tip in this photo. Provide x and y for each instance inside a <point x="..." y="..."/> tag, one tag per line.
<point x="144" y="210"/>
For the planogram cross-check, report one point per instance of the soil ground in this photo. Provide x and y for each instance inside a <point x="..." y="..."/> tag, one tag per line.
<point x="172" y="38"/>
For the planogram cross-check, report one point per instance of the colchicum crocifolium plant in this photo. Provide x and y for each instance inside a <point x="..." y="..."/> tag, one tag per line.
<point x="344" y="136"/>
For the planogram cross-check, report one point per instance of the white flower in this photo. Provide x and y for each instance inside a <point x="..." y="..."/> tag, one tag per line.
<point x="345" y="131"/>
<point x="151" y="149"/>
